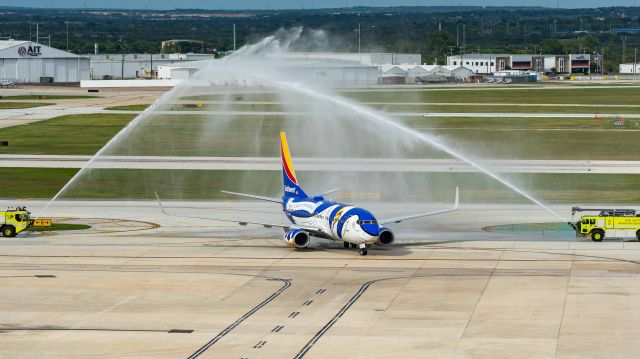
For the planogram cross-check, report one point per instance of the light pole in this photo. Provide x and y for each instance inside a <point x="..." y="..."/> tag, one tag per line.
<point x="358" y="37"/>
<point x="122" y="48"/>
<point x="635" y="60"/>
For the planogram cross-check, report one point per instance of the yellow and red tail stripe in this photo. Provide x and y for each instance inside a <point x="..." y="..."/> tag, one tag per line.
<point x="287" y="165"/>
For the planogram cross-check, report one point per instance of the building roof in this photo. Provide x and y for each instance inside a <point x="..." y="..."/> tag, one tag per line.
<point x="11" y="49"/>
<point x="4" y="44"/>
<point x="392" y="69"/>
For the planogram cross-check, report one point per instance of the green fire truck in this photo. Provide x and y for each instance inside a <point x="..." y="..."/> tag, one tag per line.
<point x="612" y="223"/>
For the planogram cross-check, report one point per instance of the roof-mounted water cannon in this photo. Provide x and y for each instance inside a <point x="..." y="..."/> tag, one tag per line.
<point x="606" y="211"/>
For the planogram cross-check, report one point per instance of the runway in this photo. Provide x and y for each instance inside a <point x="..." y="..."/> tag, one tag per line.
<point x="320" y="164"/>
<point x="193" y="288"/>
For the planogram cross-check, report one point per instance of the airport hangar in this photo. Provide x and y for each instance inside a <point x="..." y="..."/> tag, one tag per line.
<point x="31" y="62"/>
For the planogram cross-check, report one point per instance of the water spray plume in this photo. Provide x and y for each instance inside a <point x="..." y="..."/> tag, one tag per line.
<point x="262" y="65"/>
<point x="431" y="140"/>
<point x="122" y="133"/>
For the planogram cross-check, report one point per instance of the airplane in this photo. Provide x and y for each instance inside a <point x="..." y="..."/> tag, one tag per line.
<point x="313" y="216"/>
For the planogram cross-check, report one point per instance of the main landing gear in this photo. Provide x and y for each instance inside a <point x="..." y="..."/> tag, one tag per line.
<point x="363" y="247"/>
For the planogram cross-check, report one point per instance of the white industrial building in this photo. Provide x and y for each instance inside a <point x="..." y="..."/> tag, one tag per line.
<point x="366" y="59"/>
<point x="490" y="63"/>
<point x="633" y="69"/>
<point x="31" y="62"/>
<point x="131" y="66"/>
<point x="334" y="73"/>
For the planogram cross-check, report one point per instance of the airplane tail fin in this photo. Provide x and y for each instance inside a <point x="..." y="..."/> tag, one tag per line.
<point x="290" y="183"/>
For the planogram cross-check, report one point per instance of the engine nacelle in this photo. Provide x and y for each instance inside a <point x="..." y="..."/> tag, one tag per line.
<point x="298" y="238"/>
<point x="386" y="237"/>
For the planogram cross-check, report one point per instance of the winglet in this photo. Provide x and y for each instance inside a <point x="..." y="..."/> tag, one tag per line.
<point x="457" y="201"/>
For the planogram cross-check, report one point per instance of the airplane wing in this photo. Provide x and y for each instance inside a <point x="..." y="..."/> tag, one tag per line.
<point x="420" y="215"/>
<point x="262" y="198"/>
<point x="286" y="227"/>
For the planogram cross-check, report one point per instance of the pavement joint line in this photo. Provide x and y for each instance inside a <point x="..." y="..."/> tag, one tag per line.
<point x="232" y="326"/>
<point x="484" y="289"/>
<point x="51" y="328"/>
<point x="564" y="308"/>
<point x="339" y="315"/>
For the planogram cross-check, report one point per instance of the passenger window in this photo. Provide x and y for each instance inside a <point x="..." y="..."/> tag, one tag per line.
<point x="593" y="221"/>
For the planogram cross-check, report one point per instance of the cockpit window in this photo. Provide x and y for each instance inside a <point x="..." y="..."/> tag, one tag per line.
<point x="367" y="222"/>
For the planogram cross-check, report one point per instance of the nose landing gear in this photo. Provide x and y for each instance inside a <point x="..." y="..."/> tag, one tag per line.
<point x="363" y="249"/>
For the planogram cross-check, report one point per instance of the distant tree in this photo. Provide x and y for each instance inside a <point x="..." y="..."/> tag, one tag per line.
<point x="438" y="43"/>
<point x="552" y="46"/>
<point x="590" y="43"/>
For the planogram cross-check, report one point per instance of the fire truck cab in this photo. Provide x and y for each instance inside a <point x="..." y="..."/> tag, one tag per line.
<point x="14" y="221"/>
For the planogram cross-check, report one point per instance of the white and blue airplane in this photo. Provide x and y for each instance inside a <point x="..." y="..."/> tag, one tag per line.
<point x="313" y="216"/>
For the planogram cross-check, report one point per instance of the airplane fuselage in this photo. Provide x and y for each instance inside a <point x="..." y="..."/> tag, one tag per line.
<point x="337" y="221"/>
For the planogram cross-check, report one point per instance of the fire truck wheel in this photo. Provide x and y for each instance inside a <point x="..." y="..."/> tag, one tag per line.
<point x="638" y="235"/>
<point x="597" y="235"/>
<point x="8" y="231"/>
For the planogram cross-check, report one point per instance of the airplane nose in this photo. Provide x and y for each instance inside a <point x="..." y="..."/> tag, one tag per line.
<point x="371" y="229"/>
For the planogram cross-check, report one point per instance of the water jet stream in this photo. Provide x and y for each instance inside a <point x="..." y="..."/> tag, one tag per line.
<point x="231" y="71"/>
<point x="431" y="140"/>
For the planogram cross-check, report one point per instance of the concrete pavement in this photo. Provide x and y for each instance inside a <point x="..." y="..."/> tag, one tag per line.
<point x="320" y="164"/>
<point x="194" y="288"/>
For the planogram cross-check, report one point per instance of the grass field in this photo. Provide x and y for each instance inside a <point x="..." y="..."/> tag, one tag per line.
<point x="417" y="107"/>
<point x="16" y="105"/>
<point x="510" y="138"/>
<point x="619" y="95"/>
<point x="201" y="184"/>
<point x="128" y="108"/>
<point x="205" y="135"/>
<point x="59" y="227"/>
<point x="65" y="135"/>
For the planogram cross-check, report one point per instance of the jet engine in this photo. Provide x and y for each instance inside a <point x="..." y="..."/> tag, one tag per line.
<point x="297" y="238"/>
<point x="385" y="237"/>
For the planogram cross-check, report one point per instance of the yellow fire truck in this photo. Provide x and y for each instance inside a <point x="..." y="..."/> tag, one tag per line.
<point x="613" y="223"/>
<point x="14" y="221"/>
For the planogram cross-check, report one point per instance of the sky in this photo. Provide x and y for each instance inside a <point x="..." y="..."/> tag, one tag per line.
<point x="297" y="4"/>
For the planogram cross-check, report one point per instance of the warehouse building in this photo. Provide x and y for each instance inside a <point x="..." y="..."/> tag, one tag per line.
<point x="631" y="68"/>
<point x="31" y="62"/>
<point x="334" y="73"/>
<point x="132" y="66"/>
<point x="365" y="58"/>
<point x="416" y="74"/>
